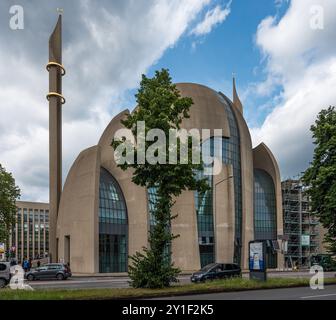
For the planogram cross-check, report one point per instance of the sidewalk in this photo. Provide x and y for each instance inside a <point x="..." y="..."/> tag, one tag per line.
<point x="271" y="273"/>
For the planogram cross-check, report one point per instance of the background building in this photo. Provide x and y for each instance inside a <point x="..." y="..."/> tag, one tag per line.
<point x="30" y="236"/>
<point x="300" y="225"/>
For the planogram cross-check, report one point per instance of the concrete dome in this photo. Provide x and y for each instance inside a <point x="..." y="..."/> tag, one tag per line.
<point x="79" y="206"/>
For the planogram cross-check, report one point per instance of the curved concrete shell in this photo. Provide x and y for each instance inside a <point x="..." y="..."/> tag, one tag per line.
<point x="264" y="159"/>
<point x="77" y="227"/>
<point x="247" y="183"/>
<point x="78" y="217"/>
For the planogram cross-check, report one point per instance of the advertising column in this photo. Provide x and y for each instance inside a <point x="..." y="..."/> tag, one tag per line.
<point x="257" y="260"/>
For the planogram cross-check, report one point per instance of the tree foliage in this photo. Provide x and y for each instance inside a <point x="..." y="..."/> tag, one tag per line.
<point x="160" y="106"/>
<point x="9" y="193"/>
<point x="320" y="177"/>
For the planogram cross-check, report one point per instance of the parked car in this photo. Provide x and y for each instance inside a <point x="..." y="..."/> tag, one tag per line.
<point x="57" y="271"/>
<point x="5" y="274"/>
<point x="216" y="271"/>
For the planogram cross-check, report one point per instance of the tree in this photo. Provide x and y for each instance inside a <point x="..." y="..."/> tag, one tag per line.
<point x="9" y="193"/>
<point x="320" y="177"/>
<point x="160" y="106"/>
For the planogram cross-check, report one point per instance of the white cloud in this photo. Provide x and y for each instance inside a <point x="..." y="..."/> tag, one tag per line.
<point x="212" y="18"/>
<point x="106" y="48"/>
<point x="303" y="61"/>
<point x="279" y="3"/>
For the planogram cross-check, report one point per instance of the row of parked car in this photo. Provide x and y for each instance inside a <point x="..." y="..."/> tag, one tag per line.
<point x="62" y="271"/>
<point x="57" y="271"/>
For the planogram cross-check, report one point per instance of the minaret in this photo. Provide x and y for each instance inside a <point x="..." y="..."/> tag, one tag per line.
<point x="55" y="98"/>
<point x="236" y="101"/>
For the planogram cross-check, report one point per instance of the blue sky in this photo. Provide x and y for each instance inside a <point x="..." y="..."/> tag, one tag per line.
<point x="230" y="47"/>
<point x="285" y="69"/>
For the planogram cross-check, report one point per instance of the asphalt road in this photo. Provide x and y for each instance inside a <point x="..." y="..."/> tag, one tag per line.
<point x="122" y="282"/>
<point x="302" y="293"/>
<point x="88" y="283"/>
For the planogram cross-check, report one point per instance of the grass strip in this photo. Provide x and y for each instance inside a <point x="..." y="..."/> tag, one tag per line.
<point x="229" y="285"/>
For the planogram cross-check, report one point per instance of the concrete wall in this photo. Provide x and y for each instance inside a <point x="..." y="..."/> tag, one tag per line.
<point x="207" y="112"/>
<point x="224" y="214"/>
<point x="78" y="213"/>
<point x="185" y="251"/>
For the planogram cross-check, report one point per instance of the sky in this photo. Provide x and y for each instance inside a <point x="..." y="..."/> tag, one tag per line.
<point x="282" y="53"/>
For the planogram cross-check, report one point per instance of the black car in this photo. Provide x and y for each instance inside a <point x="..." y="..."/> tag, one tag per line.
<point x="57" y="271"/>
<point x="216" y="271"/>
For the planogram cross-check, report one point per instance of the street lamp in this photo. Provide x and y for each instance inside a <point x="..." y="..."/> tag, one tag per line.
<point x="219" y="182"/>
<point x="215" y="208"/>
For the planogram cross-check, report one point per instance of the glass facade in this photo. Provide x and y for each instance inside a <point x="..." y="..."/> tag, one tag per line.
<point x="30" y="242"/>
<point x="19" y="242"/>
<point x="25" y="233"/>
<point x="42" y="232"/>
<point x="36" y="233"/>
<point x="230" y="154"/>
<point x="205" y="221"/>
<point x="152" y="198"/>
<point x="113" y="226"/>
<point x="265" y="224"/>
<point x="46" y="237"/>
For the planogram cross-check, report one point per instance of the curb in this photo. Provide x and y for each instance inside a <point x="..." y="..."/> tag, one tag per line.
<point x="198" y="292"/>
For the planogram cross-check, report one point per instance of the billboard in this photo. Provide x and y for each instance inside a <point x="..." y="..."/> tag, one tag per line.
<point x="2" y="248"/>
<point x="305" y="240"/>
<point x="257" y="261"/>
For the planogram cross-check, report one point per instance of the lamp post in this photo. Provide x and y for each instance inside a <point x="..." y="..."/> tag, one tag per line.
<point x="215" y="208"/>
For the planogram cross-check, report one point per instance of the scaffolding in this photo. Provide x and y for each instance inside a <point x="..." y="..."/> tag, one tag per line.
<point x="300" y="225"/>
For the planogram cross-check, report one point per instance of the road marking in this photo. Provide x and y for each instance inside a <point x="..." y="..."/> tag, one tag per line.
<point x="319" y="296"/>
<point x="71" y="282"/>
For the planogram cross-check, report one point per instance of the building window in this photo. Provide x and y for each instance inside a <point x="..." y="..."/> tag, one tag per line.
<point x="265" y="224"/>
<point x="113" y="225"/>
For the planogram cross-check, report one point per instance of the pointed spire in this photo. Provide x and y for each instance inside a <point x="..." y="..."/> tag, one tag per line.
<point x="236" y="101"/>
<point x="55" y="43"/>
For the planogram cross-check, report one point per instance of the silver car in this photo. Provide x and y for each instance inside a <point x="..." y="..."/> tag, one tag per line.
<point x="5" y="274"/>
<point x="57" y="271"/>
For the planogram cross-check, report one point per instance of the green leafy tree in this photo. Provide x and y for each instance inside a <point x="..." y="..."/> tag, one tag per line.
<point x="9" y="193"/>
<point x="160" y="106"/>
<point x="320" y="177"/>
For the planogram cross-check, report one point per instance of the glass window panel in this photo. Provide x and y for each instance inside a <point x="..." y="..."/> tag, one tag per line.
<point x="113" y="252"/>
<point x="265" y="224"/>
